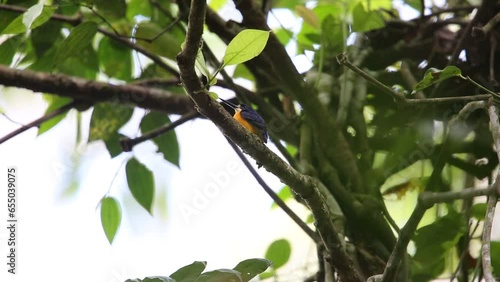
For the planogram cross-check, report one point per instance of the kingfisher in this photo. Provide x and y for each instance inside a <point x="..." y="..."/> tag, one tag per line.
<point x="249" y="119"/>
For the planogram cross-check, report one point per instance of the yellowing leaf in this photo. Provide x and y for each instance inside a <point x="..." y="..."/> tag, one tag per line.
<point x="308" y="15"/>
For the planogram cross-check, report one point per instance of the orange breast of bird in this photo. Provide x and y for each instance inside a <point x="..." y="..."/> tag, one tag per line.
<point x="237" y="116"/>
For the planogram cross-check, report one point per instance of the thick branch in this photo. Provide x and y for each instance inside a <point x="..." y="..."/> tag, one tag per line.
<point x="304" y="186"/>
<point x="93" y="91"/>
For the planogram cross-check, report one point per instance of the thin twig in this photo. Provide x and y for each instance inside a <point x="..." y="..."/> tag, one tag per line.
<point x="313" y="235"/>
<point x="127" y="144"/>
<point x="38" y="121"/>
<point x="343" y="60"/>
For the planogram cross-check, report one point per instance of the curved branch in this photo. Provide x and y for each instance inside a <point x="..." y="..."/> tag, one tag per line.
<point x="38" y="121"/>
<point x="93" y="91"/>
<point x="305" y="186"/>
<point x="127" y="143"/>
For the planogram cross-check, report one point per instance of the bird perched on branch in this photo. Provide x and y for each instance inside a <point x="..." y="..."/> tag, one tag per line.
<point x="249" y="119"/>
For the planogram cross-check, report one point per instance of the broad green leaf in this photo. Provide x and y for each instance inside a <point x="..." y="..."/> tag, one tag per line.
<point x="138" y="8"/>
<point x="279" y="252"/>
<point x="111" y="217"/>
<point x="433" y="242"/>
<point x="165" y="45"/>
<point x="17" y="26"/>
<point x="111" y="9"/>
<point x="8" y="49"/>
<point x="478" y="211"/>
<point x="113" y="144"/>
<point x="167" y="142"/>
<point x="32" y="14"/>
<point x="308" y="16"/>
<point x="285" y="193"/>
<point x="267" y="274"/>
<point x="245" y="46"/>
<point x="79" y="38"/>
<point x="213" y="95"/>
<point x="55" y="102"/>
<point x="189" y="272"/>
<point x="366" y="20"/>
<point x="433" y="76"/>
<point x="242" y="71"/>
<point x="201" y="66"/>
<point x="46" y="37"/>
<point x="85" y="65"/>
<point x="495" y="257"/>
<point x="140" y="183"/>
<point x="220" y="275"/>
<point x="107" y="119"/>
<point x="252" y="267"/>
<point x="115" y="59"/>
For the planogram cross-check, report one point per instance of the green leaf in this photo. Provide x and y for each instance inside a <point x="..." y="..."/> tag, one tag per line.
<point x="8" y="49"/>
<point x="279" y="252"/>
<point x="285" y="193"/>
<point x="213" y="95"/>
<point x="251" y="267"/>
<point x="478" y="211"/>
<point x="17" y="26"/>
<point x="45" y="37"/>
<point x="111" y="217"/>
<point x="242" y="71"/>
<point x="189" y="272"/>
<point x="115" y="59"/>
<point x="107" y="119"/>
<point x="201" y="66"/>
<point x="113" y="144"/>
<point x="283" y="35"/>
<point x="216" y="5"/>
<point x="79" y="38"/>
<point x="165" y="45"/>
<point x="140" y="183"/>
<point x="366" y="20"/>
<point x="495" y="257"/>
<point x="433" y="76"/>
<point x="111" y="9"/>
<point x="219" y="275"/>
<point x="433" y="242"/>
<point x="55" y="102"/>
<point x="167" y="142"/>
<point x="85" y="65"/>
<point x="138" y="8"/>
<point x="32" y="14"/>
<point x="245" y="46"/>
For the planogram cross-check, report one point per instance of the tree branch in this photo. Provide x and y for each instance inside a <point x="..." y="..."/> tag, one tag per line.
<point x="93" y="91"/>
<point x="38" y="121"/>
<point x="425" y="201"/>
<point x="313" y="235"/>
<point x="304" y="186"/>
<point x="128" y="144"/>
